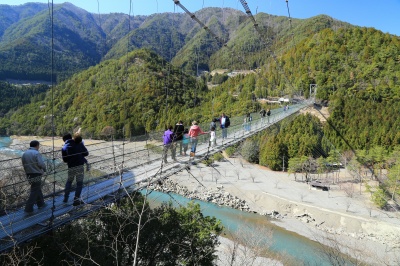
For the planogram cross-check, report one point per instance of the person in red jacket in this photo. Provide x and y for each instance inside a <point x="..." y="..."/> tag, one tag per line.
<point x="194" y="132"/>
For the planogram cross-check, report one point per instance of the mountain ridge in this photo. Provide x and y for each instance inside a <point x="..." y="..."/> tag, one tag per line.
<point x="89" y="38"/>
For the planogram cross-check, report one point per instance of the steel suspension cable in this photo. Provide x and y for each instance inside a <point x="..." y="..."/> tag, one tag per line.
<point x="52" y="114"/>
<point x="193" y="16"/>
<point x="266" y="41"/>
<point x="290" y="21"/>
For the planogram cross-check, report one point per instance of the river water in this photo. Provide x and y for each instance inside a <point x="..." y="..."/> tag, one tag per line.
<point x="301" y="250"/>
<point x="5" y="143"/>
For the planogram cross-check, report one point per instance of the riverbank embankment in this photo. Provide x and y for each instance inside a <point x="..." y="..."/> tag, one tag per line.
<point x="331" y="217"/>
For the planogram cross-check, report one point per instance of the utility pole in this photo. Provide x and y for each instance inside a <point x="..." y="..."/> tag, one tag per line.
<point x="283" y="163"/>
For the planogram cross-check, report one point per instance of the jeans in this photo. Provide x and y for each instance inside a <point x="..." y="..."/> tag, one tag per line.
<point x="180" y="146"/>
<point x="185" y="147"/>
<point x="172" y="147"/>
<point x="36" y="195"/>
<point x="193" y="142"/>
<point x="224" y="132"/>
<point x="77" y="173"/>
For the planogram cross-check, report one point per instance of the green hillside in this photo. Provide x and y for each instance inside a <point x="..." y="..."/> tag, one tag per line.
<point x="130" y="93"/>
<point x="25" y="45"/>
<point x="356" y="70"/>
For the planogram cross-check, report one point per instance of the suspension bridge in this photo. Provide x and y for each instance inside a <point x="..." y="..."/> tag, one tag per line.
<point x="117" y="168"/>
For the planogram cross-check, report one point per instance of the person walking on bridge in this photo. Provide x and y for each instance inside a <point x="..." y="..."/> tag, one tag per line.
<point x="213" y="124"/>
<point x="34" y="167"/>
<point x="213" y="138"/>
<point x="224" y="124"/>
<point x="247" y="122"/>
<point x="74" y="153"/>
<point x="262" y="115"/>
<point x="178" y="136"/>
<point x="168" y="139"/>
<point x="194" y="132"/>
<point x="185" y="141"/>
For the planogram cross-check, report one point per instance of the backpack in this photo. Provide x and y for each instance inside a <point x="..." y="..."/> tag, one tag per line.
<point x="269" y="113"/>
<point x="227" y="121"/>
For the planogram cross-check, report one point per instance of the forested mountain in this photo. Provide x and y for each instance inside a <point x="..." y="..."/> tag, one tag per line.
<point x="13" y="14"/>
<point x="13" y="97"/>
<point x="83" y="39"/>
<point x="356" y="69"/>
<point x="158" y="33"/>
<point x="129" y="93"/>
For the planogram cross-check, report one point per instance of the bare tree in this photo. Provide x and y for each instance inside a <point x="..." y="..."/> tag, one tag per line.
<point x="251" y="247"/>
<point x="237" y="173"/>
<point x="252" y="177"/>
<point x="369" y="207"/>
<point x="348" y="204"/>
<point x="302" y="196"/>
<point x="392" y="258"/>
<point x="201" y="174"/>
<point x="348" y="189"/>
<point x="217" y="176"/>
<point x="20" y="256"/>
<point x="225" y="172"/>
<point x="333" y="251"/>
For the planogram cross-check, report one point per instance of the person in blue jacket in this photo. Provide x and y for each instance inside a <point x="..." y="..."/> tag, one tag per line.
<point x="74" y="153"/>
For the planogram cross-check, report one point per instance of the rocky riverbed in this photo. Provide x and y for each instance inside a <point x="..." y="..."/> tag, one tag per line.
<point x="328" y="217"/>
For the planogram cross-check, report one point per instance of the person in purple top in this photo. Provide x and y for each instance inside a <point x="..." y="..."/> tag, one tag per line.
<point x="168" y="139"/>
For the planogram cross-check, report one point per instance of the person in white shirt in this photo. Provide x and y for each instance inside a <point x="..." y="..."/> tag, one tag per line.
<point x="224" y="124"/>
<point x="213" y="138"/>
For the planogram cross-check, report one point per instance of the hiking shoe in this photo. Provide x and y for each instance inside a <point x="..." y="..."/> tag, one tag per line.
<point x="78" y="202"/>
<point x="28" y="212"/>
<point x="42" y="206"/>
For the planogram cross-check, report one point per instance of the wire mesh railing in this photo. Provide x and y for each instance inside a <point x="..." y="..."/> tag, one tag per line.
<point x="107" y="158"/>
<point x="114" y="166"/>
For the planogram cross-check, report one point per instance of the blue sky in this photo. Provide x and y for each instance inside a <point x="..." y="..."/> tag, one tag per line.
<point x="382" y="15"/>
